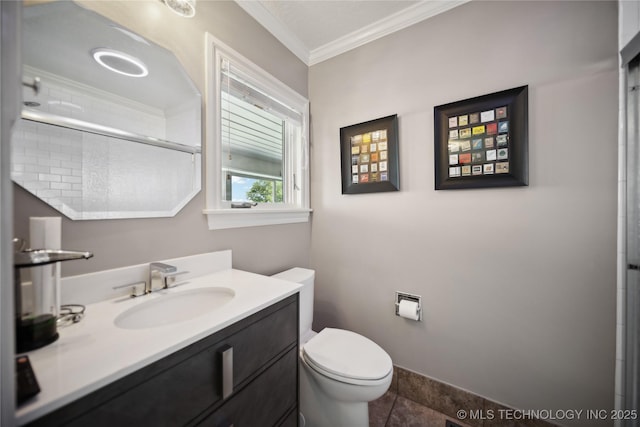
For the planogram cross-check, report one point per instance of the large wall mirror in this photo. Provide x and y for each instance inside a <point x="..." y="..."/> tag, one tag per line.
<point x="114" y="130"/>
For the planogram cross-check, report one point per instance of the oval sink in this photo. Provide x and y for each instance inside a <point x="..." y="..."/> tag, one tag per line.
<point x="174" y="307"/>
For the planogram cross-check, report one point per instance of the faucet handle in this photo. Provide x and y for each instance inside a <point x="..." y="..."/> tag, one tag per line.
<point x="137" y="288"/>
<point x="170" y="279"/>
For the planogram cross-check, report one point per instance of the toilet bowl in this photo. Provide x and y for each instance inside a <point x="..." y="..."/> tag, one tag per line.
<point x="340" y="371"/>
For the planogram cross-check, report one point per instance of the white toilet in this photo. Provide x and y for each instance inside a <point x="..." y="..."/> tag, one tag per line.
<point x="340" y="371"/>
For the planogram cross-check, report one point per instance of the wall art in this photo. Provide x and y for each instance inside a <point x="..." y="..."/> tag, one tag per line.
<point x="482" y="142"/>
<point x="369" y="154"/>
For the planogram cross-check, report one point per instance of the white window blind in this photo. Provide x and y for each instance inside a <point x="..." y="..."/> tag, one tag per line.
<point x="253" y="122"/>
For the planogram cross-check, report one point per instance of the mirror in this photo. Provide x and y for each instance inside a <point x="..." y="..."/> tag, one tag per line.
<point x="115" y="128"/>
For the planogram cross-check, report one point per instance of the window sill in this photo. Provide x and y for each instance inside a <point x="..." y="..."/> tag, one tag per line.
<point x="220" y="219"/>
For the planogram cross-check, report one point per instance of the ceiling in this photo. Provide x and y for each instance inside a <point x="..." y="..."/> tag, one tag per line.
<point x="316" y="30"/>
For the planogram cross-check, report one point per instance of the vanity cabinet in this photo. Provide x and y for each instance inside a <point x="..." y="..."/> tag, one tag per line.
<point x="191" y="387"/>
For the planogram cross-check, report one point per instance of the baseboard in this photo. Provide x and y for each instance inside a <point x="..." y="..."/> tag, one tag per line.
<point x="461" y="405"/>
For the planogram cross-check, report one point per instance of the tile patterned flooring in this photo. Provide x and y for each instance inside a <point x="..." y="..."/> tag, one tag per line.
<point x="417" y="401"/>
<point x="392" y="410"/>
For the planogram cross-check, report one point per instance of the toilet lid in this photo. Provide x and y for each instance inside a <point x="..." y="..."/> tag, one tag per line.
<point x="348" y="355"/>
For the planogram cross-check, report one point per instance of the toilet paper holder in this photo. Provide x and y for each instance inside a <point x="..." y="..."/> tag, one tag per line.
<point x="409" y="297"/>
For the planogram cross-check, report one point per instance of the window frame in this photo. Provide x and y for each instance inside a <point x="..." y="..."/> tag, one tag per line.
<point x="219" y="213"/>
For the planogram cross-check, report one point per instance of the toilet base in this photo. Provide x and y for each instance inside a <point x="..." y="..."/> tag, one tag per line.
<point x="319" y="410"/>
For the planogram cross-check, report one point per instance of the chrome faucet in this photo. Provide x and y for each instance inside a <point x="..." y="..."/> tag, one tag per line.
<point x="161" y="276"/>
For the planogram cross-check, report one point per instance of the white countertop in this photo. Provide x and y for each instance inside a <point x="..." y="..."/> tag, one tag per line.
<point x="94" y="352"/>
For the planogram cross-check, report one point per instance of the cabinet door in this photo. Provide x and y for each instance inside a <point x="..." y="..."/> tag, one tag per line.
<point x="266" y="401"/>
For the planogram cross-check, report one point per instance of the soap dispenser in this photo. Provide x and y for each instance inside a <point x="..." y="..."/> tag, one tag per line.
<point x="36" y="310"/>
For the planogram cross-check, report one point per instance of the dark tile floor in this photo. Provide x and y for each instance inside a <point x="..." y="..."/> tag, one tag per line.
<point x="392" y="410"/>
<point x="414" y="400"/>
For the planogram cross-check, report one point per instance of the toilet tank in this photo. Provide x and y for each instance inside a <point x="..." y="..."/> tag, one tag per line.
<point x="305" y="277"/>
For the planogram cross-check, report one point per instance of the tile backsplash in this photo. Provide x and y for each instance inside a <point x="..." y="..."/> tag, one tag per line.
<point x="77" y="171"/>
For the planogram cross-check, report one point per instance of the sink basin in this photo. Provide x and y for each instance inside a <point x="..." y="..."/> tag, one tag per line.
<point x="174" y="307"/>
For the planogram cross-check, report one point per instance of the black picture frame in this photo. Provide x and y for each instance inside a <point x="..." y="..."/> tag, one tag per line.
<point x="369" y="156"/>
<point x="494" y="151"/>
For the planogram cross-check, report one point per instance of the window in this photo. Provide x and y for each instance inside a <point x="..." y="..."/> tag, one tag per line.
<point x="252" y="188"/>
<point x="257" y="145"/>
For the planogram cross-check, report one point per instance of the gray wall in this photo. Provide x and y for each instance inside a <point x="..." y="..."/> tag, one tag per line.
<point x="117" y="243"/>
<point x="518" y="284"/>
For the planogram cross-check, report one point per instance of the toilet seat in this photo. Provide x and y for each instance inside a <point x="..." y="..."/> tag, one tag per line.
<point x="347" y="357"/>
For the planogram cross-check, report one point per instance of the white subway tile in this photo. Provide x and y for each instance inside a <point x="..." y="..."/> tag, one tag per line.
<point x="61" y="171"/>
<point x="39" y="185"/>
<point x="61" y="156"/>
<point x="48" y="194"/>
<point x="71" y="193"/>
<point x="33" y="152"/>
<point x="49" y="177"/>
<point x="26" y="177"/>
<point x="70" y="164"/>
<point x="24" y="159"/>
<point x="72" y="179"/>
<point x="60" y="186"/>
<point x="45" y="145"/>
<point x="46" y="161"/>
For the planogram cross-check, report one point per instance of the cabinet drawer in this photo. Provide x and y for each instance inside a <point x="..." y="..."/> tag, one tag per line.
<point x="256" y="345"/>
<point x="267" y="401"/>
<point x="188" y="383"/>
<point x="164" y="400"/>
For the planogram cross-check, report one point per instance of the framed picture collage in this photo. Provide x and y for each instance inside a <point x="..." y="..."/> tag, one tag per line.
<point x="479" y="143"/>
<point x="369" y="155"/>
<point x="482" y="142"/>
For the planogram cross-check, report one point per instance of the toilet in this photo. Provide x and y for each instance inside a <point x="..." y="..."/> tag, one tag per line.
<point x="340" y="371"/>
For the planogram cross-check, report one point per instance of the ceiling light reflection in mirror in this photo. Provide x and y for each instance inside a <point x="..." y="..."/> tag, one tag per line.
<point x="124" y="129"/>
<point x="120" y="62"/>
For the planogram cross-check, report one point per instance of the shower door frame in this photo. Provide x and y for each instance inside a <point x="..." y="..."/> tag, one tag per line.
<point x="628" y="357"/>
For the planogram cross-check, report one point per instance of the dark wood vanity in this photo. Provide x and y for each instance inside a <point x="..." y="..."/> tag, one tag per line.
<point x="193" y="386"/>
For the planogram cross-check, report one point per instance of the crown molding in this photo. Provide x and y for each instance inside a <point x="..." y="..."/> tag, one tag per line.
<point x="280" y="31"/>
<point x="395" y="22"/>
